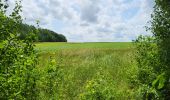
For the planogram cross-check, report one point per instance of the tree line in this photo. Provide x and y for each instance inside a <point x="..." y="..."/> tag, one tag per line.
<point x="42" y="35"/>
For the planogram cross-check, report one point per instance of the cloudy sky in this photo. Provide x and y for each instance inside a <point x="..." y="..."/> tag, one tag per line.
<point x="90" y="20"/>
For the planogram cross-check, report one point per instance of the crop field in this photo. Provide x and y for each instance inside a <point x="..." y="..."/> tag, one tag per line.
<point x="102" y="70"/>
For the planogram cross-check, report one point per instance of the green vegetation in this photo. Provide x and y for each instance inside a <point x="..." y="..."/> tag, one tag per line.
<point x="91" y="71"/>
<point x="18" y="58"/>
<point x="43" y="35"/>
<point x="153" y="55"/>
<point x="84" y="71"/>
<point x="48" y="47"/>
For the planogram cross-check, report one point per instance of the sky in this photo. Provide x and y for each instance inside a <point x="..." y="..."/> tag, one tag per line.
<point x="90" y="20"/>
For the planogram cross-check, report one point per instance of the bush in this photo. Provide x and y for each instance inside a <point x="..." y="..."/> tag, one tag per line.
<point x="18" y="58"/>
<point x="147" y="59"/>
<point x="154" y="57"/>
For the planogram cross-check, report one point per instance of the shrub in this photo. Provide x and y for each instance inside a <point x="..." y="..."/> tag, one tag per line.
<point x="18" y="58"/>
<point x="154" y="57"/>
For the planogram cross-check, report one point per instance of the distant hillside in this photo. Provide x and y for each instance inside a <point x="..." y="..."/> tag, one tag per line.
<point x="43" y="35"/>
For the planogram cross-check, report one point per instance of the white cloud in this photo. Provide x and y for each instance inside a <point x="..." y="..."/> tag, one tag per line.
<point x="90" y="20"/>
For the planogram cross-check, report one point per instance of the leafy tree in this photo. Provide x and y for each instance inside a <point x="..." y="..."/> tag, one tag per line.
<point x="43" y="35"/>
<point x="160" y="29"/>
<point x="17" y="57"/>
<point x="153" y="57"/>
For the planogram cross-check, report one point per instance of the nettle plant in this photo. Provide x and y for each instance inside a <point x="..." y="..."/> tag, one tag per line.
<point x="17" y="57"/>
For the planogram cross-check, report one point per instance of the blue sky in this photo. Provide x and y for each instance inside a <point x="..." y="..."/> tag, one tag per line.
<point x="90" y="20"/>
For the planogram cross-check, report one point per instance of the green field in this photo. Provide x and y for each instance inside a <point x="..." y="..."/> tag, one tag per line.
<point x="49" y="46"/>
<point x="91" y="70"/>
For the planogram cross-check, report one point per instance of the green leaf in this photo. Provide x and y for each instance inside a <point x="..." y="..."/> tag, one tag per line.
<point x="1" y="45"/>
<point x="5" y="42"/>
<point x="154" y="82"/>
<point x="12" y="35"/>
<point x="159" y="81"/>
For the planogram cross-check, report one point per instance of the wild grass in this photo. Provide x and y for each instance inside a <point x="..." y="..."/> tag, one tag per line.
<point x="84" y="64"/>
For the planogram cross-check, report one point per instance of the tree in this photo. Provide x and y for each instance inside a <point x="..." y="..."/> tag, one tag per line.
<point x="43" y="35"/>
<point x="161" y="30"/>
<point x="153" y="54"/>
<point x="17" y="57"/>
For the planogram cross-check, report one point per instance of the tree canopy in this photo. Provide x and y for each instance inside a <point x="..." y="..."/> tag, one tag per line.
<point x="43" y="35"/>
<point x="153" y="54"/>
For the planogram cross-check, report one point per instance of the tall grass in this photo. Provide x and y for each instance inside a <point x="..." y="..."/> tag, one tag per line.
<point x="92" y="73"/>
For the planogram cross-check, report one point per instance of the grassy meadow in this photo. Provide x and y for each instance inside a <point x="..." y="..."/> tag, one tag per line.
<point x="51" y="46"/>
<point x="91" y="70"/>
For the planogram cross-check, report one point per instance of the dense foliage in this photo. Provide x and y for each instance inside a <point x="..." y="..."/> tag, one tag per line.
<point x="153" y="54"/>
<point x="43" y="35"/>
<point x="20" y="78"/>
<point x="17" y="58"/>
